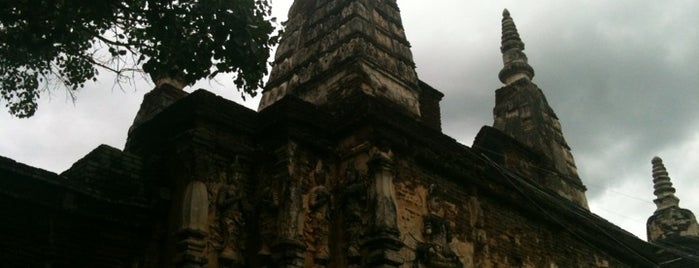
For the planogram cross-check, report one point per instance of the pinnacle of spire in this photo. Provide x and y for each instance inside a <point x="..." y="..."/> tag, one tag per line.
<point x="669" y="221"/>
<point x="512" y="47"/>
<point x="522" y="112"/>
<point x="333" y="50"/>
<point x="664" y="191"/>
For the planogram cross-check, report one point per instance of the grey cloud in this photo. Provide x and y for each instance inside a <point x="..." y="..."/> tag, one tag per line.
<point x="621" y="75"/>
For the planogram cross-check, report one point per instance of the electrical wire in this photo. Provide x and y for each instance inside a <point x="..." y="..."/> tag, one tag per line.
<point x="620" y="193"/>
<point x="509" y="175"/>
<point x="683" y="253"/>
<point x="555" y="173"/>
<point x="620" y="215"/>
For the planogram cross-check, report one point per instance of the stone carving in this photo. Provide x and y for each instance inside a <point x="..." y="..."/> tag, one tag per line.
<point x="230" y="208"/>
<point x="280" y="210"/>
<point x="381" y="168"/>
<point x="382" y="245"/>
<point x="195" y="208"/>
<point x="435" y="250"/>
<point x="289" y="250"/>
<point x="353" y="202"/>
<point x="269" y="205"/>
<point x="194" y="229"/>
<point x="434" y="200"/>
<point x="317" y="227"/>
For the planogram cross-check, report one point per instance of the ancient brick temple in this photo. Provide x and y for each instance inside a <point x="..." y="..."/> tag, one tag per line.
<point x="344" y="165"/>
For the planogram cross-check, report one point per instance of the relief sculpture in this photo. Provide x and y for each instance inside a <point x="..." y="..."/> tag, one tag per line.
<point x="231" y="222"/>
<point x="317" y="227"/>
<point x="268" y="208"/>
<point x="435" y="251"/>
<point x="353" y="201"/>
<point x="229" y="203"/>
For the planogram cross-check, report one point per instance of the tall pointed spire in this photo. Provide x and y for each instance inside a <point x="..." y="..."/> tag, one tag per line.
<point x="332" y="50"/>
<point x="669" y="222"/>
<point x="513" y="57"/>
<point x="664" y="191"/>
<point x="522" y="112"/>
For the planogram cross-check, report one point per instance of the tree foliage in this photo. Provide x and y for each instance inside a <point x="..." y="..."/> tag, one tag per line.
<point x="69" y="41"/>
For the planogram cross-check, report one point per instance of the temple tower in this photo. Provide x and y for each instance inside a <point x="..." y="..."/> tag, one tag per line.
<point x="669" y="222"/>
<point x="522" y="112"/>
<point x="334" y="50"/>
<point x="513" y="57"/>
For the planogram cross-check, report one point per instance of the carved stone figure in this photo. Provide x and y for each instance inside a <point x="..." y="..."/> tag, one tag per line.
<point x="435" y="250"/>
<point x="353" y="201"/>
<point x="317" y="227"/>
<point x="228" y="202"/>
<point x="268" y="209"/>
<point x="231" y="222"/>
<point x="434" y="200"/>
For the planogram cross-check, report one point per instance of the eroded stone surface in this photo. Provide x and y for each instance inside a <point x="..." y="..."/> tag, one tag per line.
<point x="522" y="112"/>
<point x="322" y="177"/>
<point x="669" y="221"/>
<point x="335" y="49"/>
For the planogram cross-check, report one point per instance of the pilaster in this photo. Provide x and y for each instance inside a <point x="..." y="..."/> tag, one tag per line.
<point x="381" y="247"/>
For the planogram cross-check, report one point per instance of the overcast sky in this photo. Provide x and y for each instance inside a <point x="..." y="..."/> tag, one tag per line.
<point x="623" y="77"/>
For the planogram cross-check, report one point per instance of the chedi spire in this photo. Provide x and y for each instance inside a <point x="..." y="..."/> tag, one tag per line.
<point x="663" y="187"/>
<point x="669" y="223"/>
<point x="513" y="57"/>
<point x="332" y="51"/>
<point x="522" y="112"/>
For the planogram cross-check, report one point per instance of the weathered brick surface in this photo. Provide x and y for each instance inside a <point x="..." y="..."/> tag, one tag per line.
<point x="278" y="161"/>
<point x="110" y="173"/>
<point x="52" y="221"/>
<point x="329" y="44"/>
<point x="344" y="167"/>
<point x="429" y="106"/>
<point x="522" y="112"/>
